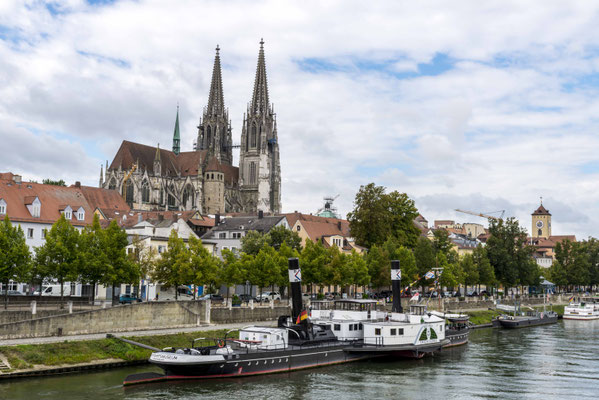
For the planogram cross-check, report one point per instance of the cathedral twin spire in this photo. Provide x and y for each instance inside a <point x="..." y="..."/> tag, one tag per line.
<point x="216" y="99"/>
<point x="260" y="104"/>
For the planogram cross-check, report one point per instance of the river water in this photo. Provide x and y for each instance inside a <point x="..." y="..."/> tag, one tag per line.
<point x="559" y="361"/>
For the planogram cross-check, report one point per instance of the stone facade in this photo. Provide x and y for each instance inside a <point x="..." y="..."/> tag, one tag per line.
<point x="150" y="178"/>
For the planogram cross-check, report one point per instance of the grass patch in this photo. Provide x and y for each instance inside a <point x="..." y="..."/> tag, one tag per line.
<point x="482" y="316"/>
<point x="557" y="308"/>
<point x="53" y="354"/>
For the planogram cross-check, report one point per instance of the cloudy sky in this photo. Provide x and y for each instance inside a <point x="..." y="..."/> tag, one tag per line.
<point x="482" y="107"/>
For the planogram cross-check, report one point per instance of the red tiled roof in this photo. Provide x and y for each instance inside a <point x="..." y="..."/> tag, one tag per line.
<point x="541" y="211"/>
<point x="444" y="222"/>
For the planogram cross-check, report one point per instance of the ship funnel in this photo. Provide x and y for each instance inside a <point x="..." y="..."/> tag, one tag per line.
<point x="396" y="286"/>
<point x="295" y="280"/>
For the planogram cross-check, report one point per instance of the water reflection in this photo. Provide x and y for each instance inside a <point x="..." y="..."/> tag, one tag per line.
<point x="549" y="362"/>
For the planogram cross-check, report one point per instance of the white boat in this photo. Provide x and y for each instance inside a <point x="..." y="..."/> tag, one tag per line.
<point x="346" y="317"/>
<point x="586" y="308"/>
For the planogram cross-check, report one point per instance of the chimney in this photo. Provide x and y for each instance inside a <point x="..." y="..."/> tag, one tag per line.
<point x="216" y="219"/>
<point x="295" y="282"/>
<point x="396" y="286"/>
<point x="260" y="214"/>
<point x="339" y="225"/>
<point x="78" y="184"/>
<point x="17" y="179"/>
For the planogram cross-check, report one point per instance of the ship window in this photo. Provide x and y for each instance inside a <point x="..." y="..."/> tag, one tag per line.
<point x="377" y="331"/>
<point x="337" y="327"/>
<point x="393" y="332"/>
<point x="400" y="331"/>
<point x="351" y="327"/>
<point x="356" y="327"/>
<point x="361" y="326"/>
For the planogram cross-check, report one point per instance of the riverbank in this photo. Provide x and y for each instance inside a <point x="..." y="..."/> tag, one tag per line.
<point x="75" y="356"/>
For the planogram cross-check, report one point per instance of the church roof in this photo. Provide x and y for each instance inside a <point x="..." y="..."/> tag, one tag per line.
<point x="541" y="211"/>
<point x="185" y="163"/>
<point x="216" y="99"/>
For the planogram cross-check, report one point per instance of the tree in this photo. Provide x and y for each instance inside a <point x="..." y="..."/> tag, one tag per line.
<point x="425" y="257"/>
<point x="508" y="252"/>
<point x="486" y="275"/>
<point x="119" y="267"/>
<point x="313" y="260"/>
<point x="452" y="274"/>
<point x="470" y="275"/>
<point x="145" y="258"/>
<point x="264" y="269"/>
<point x="205" y="267"/>
<point x="280" y="235"/>
<point x="285" y="253"/>
<point x="254" y="241"/>
<point x="379" y="267"/>
<point x="592" y="249"/>
<point x="441" y="242"/>
<point x="174" y="267"/>
<point x="572" y="256"/>
<point x="48" y="181"/>
<point x="93" y="261"/>
<point x="359" y="269"/>
<point x="377" y="216"/>
<point x="60" y="253"/>
<point x="232" y="272"/>
<point x="14" y="255"/>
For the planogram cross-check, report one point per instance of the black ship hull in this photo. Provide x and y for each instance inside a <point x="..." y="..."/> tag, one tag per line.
<point x="253" y="363"/>
<point x="526" y="322"/>
<point x="456" y="337"/>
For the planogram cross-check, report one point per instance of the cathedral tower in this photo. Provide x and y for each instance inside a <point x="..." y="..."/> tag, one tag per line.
<point x="177" y="136"/>
<point x="259" y="165"/>
<point x="214" y="130"/>
<point x="541" y="223"/>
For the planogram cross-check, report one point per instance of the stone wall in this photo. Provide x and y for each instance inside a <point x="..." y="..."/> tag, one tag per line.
<point x="10" y="316"/>
<point x="150" y="315"/>
<point x="224" y="315"/>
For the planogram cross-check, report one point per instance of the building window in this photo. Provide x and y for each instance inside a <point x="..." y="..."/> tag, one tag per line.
<point x="44" y="232"/>
<point x="299" y="228"/>
<point x="222" y="235"/>
<point x="112" y="184"/>
<point x="81" y="215"/>
<point x="253" y="136"/>
<point x="29" y="233"/>
<point x="2" y="209"/>
<point x="145" y="192"/>
<point x="236" y="235"/>
<point x="67" y="215"/>
<point x="129" y="192"/>
<point x="252" y="173"/>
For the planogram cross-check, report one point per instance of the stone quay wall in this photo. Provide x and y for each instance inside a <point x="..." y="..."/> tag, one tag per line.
<point x="122" y="318"/>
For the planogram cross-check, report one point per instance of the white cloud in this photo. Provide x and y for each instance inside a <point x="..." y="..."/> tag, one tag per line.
<point x="507" y="116"/>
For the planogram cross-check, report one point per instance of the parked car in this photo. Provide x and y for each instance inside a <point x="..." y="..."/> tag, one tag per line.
<point x="217" y="298"/>
<point x="471" y="293"/>
<point x="267" y="296"/>
<point x="447" y="294"/>
<point x="128" y="299"/>
<point x="12" y="293"/>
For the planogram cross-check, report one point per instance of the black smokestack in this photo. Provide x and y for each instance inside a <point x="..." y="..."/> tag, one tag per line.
<point x="295" y="281"/>
<point x="396" y="286"/>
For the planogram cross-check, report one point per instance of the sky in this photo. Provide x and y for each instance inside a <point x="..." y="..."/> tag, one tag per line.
<point x="482" y="106"/>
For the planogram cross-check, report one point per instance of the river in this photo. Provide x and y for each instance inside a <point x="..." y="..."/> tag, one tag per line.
<point x="548" y="362"/>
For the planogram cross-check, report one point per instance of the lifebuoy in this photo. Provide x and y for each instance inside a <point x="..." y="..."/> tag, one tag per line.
<point x="221" y="343"/>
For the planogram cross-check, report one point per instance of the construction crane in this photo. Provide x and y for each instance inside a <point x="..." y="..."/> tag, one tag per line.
<point x="328" y="205"/>
<point x="484" y="215"/>
<point x="126" y="178"/>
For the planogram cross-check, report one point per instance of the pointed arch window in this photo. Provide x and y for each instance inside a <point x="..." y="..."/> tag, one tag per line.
<point x="223" y="139"/>
<point x="208" y="136"/>
<point x="112" y="184"/>
<point x="252" y="173"/>
<point x="171" y="198"/>
<point x="188" y="197"/>
<point x="253" y="136"/>
<point x="145" y="192"/>
<point x="129" y="192"/>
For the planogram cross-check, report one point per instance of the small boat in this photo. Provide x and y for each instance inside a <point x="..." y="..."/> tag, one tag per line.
<point x="294" y="344"/>
<point x="530" y="318"/>
<point x="457" y="328"/>
<point x="586" y="308"/>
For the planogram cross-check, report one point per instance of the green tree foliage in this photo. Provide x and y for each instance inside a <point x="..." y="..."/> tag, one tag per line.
<point x="254" y="241"/>
<point x="313" y="260"/>
<point x="509" y="254"/>
<point x="379" y="267"/>
<point x="441" y="242"/>
<point x="48" y="181"/>
<point x="265" y="268"/>
<point x="144" y="258"/>
<point x="232" y="272"/>
<point x="285" y="253"/>
<point x="206" y="269"/>
<point x="280" y="235"/>
<point x="574" y="259"/>
<point x="59" y="256"/>
<point x="14" y="255"/>
<point x="174" y="267"/>
<point x="470" y="271"/>
<point x="486" y="274"/>
<point x="592" y="249"/>
<point x="119" y="267"/>
<point x="358" y="268"/>
<point x="93" y="260"/>
<point x="452" y="273"/>
<point x="425" y="257"/>
<point x="377" y="216"/>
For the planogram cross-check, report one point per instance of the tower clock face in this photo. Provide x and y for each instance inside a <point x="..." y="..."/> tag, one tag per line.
<point x="539" y="224"/>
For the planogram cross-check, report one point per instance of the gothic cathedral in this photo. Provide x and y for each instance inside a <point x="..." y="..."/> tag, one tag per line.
<point x="151" y="178"/>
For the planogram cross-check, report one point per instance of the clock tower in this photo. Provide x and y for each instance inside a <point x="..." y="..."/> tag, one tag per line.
<point x="541" y="223"/>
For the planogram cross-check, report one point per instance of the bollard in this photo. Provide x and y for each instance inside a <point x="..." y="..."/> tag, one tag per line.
<point x="33" y="307"/>
<point x="230" y="302"/>
<point x="272" y="304"/>
<point x="104" y="303"/>
<point x="70" y="304"/>
<point x="208" y="311"/>
<point x="251" y="304"/>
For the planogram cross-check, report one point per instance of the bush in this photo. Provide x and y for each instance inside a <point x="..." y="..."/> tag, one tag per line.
<point x="461" y="298"/>
<point x="320" y="296"/>
<point x="236" y="301"/>
<point x="365" y="295"/>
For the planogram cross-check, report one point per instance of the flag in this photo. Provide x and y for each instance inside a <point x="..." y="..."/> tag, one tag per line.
<point x="303" y="315"/>
<point x="429" y="275"/>
<point x="415" y="297"/>
<point x="570" y="299"/>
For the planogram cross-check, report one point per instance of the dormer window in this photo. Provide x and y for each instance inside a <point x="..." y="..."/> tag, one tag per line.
<point x="36" y="208"/>
<point x="80" y="214"/>
<point x="68" y="212"/>
<point x="2" y="206"/>
<point x="67" y="215"/>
